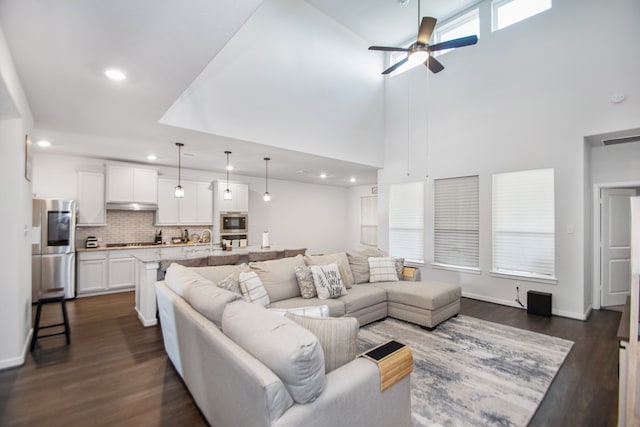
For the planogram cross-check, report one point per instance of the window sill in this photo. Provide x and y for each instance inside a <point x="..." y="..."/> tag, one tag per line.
<point x="525" y="277"/>
<point x="470" y="270"/>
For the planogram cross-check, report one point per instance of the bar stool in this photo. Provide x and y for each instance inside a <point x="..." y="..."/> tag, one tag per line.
<point x="47" y="297"/>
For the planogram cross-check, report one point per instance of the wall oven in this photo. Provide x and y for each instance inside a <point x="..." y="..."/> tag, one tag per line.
<point x="233" y="223"/>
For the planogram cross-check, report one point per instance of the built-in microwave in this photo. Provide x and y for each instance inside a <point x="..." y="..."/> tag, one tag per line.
<point x="233" y="223"/>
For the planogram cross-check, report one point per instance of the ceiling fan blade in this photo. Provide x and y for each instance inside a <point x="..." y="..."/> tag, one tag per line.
<point x="389" y="49"/>
<point x="434" y="65"/>
<point x="450" y="44"/>
<point x="395" y="66"/>
<point x="426" y="28"/>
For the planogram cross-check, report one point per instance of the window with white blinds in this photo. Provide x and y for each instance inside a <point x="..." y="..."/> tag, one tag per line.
<point x="524" y="223"/>
<point x="456" y="222"/>
<point x="369" y="220"/>
<point x="406" y="221"/>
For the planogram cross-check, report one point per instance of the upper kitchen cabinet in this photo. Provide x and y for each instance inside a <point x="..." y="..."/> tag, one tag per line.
<point x="90" y="197"/>
<point x="127" y="184"/>
<point x="239" y="197"/>
<point x="195" y="208"/>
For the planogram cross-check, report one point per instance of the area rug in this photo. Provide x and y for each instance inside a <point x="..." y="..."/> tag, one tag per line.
<point x="470" y="372"/>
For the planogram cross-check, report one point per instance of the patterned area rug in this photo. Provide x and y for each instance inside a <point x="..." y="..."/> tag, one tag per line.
<point x="470" y="372"/>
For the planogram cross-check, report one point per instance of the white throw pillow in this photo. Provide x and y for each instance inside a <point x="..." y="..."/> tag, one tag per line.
<point x="328" y="282"/>
<point x="252" y="289"/>
<point x="308" y="311"/>
<point x="382" y="269"/>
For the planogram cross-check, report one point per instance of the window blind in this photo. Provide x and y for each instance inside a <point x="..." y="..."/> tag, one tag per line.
<point x="456" y="221"/>
<point x="369" y="220"/>
<point x="523" y="220"/>
<point x="406" y="221"/>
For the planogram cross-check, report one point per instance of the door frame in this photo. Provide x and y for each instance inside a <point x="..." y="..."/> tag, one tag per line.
<point x="596" y="299"/>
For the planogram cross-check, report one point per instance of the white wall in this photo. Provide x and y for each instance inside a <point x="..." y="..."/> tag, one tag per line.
<point x="15" y="252"/>
<point x="291" y="78"/>
<point x="615" y="163"/>
<point x="299" y="215"/>
<point x="523" y="98"/>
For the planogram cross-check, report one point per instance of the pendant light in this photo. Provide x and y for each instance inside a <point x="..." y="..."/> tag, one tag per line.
<point x="179" y="190"/>
<point x="266" y="196"/>
<point x="227" y="192"/>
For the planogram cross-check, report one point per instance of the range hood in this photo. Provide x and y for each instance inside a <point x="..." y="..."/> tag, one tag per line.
<point x="132" y="207"/>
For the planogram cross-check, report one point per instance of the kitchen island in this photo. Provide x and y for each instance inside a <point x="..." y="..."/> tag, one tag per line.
<point x="146" y="275"/>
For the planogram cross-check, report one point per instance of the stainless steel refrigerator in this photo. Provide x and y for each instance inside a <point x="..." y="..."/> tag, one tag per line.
<point x="53" y="248"/>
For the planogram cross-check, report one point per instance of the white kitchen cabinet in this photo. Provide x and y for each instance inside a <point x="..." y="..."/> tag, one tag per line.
<point x="195" y="208"/>
<point x="127" y="184"/>
<point x="90" y="197"/>
<point x="167" y="213"/>
<point x="92" y="272"/>
<point x="122" y="269"/>
<point x="239" y="197"/>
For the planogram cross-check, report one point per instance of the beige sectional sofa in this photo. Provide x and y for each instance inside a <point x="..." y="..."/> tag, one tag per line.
<point x="234" y="384"/>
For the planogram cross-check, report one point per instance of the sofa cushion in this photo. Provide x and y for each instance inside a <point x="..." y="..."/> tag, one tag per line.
<point x="337" y="336"/>
<point x="328" y="282"/>
<point x="252" y="289"/>
<point x="217" y="273"/>
<point x="382" y="269"/>
<point x="290" y="351"/>
<point x="308" y="311"/>
<point x="339" y="258"/>
<point x="180" y="278"/>
<point x="209" y="300"/>
<point x="336" y="307"/>
<point x="304" y="276"/>
<point x="279" y="277"/>
<point x="360" y="297"/>
<point x="359" y="264"/>
<point x="427" y="295"/>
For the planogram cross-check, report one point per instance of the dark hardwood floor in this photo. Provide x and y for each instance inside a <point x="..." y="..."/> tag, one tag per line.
<point x="115" y="372"/>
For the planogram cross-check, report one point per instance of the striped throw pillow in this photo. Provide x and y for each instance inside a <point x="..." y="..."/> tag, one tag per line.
<point x="382" y="269"/>
<point x="252" y="289"/>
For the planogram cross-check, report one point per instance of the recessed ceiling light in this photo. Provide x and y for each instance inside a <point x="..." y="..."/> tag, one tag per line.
<point x="152" y="157"/>
<point x="114" y="74"/>
<point x="43" y="143"/>
<point x="229" y="167"/>
<point x="323" y="175"/>
<point x="353" y="179"/>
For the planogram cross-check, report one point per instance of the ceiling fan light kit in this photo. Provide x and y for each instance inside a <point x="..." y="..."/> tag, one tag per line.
<point x="420" y="51"/>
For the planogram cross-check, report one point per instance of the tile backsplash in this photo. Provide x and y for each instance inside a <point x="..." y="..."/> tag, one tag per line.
<point x="131" y="227"/>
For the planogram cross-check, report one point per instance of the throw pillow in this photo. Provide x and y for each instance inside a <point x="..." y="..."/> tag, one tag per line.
<point x="305" y="282"/>
<point x="339" y="258"/>
<point x="382" y="269"/>
<point x="308" y="311"/>
<point x="252" y="289"/>
<point x="231" y="284"/>
<point x="399" y="263"/>
<point x="327" y="281"/>
<point x="289" y="350"/>
<point x="337" y="336"/>
<point x="359" y="264"/>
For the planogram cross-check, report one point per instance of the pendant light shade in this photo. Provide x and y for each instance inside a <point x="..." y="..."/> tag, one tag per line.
<point x="227" y="192"/>
<point x="179" y="192"/>
<point x="266" y="196"/>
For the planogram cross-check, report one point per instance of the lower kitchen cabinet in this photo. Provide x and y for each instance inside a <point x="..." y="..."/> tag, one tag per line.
<point x="92" y="272"/>
<point x="108" y="270"/>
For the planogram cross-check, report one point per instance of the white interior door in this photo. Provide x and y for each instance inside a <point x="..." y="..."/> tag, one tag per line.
<point x="615" y="229"/>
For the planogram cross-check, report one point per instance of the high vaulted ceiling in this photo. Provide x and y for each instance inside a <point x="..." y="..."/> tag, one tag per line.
<point x="61" y="48"/>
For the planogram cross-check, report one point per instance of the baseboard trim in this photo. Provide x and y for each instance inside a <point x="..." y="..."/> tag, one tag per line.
<point x="18" y="361"/>
<point x="561" y="313"/>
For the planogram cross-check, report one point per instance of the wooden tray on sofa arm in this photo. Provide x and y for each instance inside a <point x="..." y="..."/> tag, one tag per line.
<point x="394" y="361"/>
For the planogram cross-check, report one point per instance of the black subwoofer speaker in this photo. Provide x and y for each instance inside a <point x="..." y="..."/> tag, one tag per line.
<point x="539" y="303"/>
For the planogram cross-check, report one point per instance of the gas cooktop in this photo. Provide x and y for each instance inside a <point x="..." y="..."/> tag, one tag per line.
<point x="130" y="245"/>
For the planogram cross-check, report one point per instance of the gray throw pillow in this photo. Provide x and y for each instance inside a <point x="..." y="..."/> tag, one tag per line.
<point x="305" y="282"/>
<point x="231" y="284"/>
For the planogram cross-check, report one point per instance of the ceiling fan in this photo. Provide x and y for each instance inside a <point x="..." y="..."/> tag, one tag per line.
<point x="420" y="50"/>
